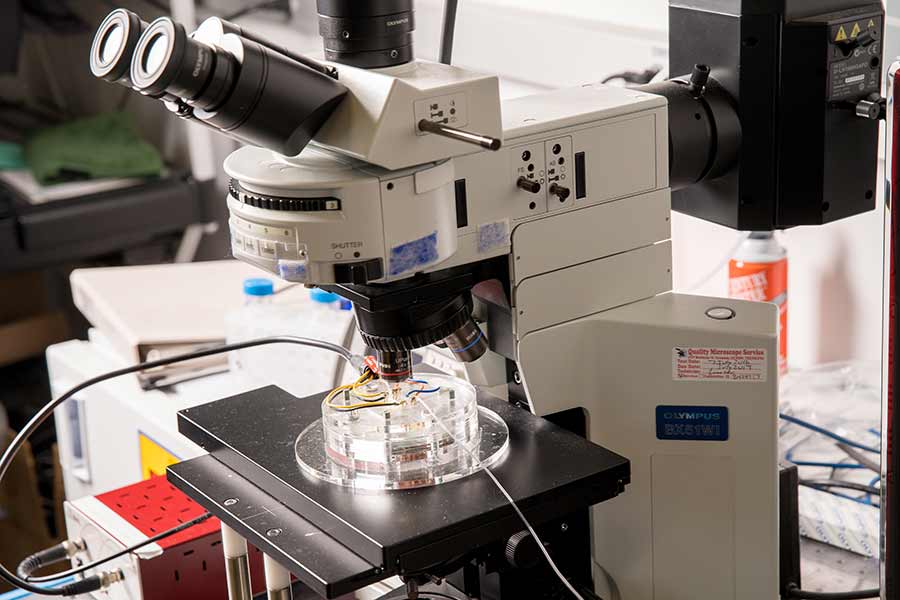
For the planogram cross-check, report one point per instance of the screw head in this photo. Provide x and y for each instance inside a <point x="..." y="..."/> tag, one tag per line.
<point x="346" y="35"/>
<point x="274" y="532"/>
<point x="564" y="527"/>
<point x="516" y="377"/>
<point x="394" y="54"/>
<point x="230" y="502"/>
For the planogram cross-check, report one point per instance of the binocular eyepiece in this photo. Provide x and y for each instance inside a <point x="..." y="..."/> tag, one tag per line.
<point x="220" y="75"/>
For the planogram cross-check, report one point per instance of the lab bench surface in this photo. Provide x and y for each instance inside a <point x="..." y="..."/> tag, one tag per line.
<point x="829" y="569"/>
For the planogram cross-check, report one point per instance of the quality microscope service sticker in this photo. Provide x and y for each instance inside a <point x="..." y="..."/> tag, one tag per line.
<point x="749" y="365"/>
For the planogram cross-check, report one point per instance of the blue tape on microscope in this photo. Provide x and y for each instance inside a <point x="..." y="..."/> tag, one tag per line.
<point x="692" y="423"/>
<point x="412" y="255"/>
<point x="493" y="235"/>
<point x="292" y="270"/>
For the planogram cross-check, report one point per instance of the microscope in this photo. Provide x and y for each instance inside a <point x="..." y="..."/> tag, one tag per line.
<point x="635" y="428"/>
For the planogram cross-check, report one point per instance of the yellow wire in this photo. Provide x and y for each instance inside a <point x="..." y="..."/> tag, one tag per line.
<point x="363" y="379"/>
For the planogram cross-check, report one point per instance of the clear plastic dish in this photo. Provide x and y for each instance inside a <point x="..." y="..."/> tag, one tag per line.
<point x="418" y="433"/>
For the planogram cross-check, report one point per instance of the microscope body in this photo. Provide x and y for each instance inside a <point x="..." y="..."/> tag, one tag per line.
<point x="574" y="293"/>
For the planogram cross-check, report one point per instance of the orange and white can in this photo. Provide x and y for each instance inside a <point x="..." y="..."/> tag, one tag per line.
<point x="758" y="271"/>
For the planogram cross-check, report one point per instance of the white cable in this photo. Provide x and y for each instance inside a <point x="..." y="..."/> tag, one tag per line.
<point x="509" y="499"/>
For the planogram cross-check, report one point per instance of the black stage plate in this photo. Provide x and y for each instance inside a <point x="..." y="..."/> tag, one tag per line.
<point x="320" y="562"/>
<point x="548" y="471"/>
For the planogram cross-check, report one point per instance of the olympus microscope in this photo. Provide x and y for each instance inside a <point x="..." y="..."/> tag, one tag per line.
<point x="634" y="427"/>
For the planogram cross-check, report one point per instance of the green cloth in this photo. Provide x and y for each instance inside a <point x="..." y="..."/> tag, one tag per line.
<point x="106" y="145"/>
<point x="11" y="156"/>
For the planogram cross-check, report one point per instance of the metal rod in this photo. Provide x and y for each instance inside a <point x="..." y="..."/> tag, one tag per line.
<point x="278" y="580"/>
<point x="448" y="31"/>
<point x="477" y="139"/>
<point x="237" y="564"/>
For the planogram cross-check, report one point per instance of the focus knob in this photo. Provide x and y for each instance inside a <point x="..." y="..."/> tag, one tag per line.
<point x="528" y="185"/>
<point x="522" y="551"/>
<point x="560" y="192"/>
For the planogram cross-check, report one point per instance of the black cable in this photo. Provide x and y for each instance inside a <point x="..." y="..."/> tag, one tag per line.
<point x="120" y="553"/>
<point x="425" y="595"/>
<point x="635" y="77"/>
<point x="826" y="484"/>
<point x="44" y="558"/>
<point x="794" y="592"/>
<point x="448" y="31"/>
<point x="264" y="5"/>
<point x="88" y="585"/>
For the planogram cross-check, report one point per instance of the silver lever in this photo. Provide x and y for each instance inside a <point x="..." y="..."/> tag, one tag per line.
<point x="484" y="141"/>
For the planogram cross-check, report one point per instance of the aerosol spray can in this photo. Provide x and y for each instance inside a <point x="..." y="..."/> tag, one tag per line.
<point x="758" y="271"/>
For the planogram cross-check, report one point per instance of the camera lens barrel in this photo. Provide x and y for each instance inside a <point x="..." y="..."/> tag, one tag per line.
<point x="114" y="45"/>
<point x="369" y="35"/>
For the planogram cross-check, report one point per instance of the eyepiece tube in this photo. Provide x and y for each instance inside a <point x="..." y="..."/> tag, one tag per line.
<point x="114" y="45"/>
<point x="167" y="60"/>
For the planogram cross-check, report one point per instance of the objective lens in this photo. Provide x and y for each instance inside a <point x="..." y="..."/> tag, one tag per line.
<point x="155" y="54"/>
<point x="114" y="45"/>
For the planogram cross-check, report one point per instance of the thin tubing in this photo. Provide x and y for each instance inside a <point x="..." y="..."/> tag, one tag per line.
<point x="43" y="414"/>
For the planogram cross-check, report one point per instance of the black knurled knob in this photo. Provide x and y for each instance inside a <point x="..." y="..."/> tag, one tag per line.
<point x="529" y="185"/>
<point x="522" y="551"/>
<point x="560" y="192"/>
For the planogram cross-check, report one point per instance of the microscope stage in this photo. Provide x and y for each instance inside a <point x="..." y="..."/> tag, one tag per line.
<point x="335" y="538"/>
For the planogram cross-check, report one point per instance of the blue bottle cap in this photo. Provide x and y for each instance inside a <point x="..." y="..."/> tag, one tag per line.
<point x="346" y="304"/>
<point x="259" y="286"/>
<point x="323" y="297"/>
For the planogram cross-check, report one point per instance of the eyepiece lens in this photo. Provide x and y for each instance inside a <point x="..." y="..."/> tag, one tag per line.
<point x="155" y="54"/>
<point x="112" y="43"/>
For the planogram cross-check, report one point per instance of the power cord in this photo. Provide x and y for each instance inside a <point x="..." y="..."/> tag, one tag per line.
<point x="104" y="580"/>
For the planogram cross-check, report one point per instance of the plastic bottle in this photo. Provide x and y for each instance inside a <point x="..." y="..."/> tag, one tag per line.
<point x="241" y="324"/>
<point x="758" y="271"/>
<point x="323" y="299"/>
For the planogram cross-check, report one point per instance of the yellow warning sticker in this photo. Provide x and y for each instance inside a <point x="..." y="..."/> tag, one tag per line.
<point x="872" y="24"/>
<point x="856" y="31"/>
<point x="154" y="458"/>
<point x="841" y="35"/>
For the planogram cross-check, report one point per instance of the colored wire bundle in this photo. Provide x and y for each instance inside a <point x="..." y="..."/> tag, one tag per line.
<point x="372" y="400"/>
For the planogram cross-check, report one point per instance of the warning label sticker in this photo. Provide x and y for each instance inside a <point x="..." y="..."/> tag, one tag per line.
<point x="742" y="365"/>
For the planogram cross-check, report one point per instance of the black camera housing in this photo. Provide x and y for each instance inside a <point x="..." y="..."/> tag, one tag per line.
<point x="806" y="158"/>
